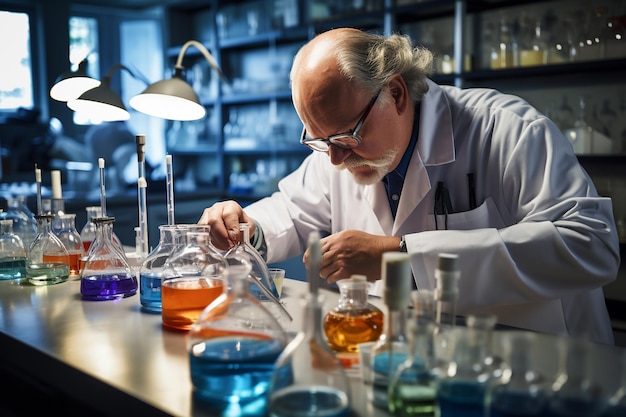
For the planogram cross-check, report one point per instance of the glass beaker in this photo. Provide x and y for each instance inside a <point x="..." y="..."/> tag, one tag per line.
<point x="192" y="279"/>
<point x="151" y="272"/>
<point x="106" y="274"/>
<point x="70" y="238"/>
<point x="262" y="286"/>
<point x="12" y="252"/>
<point x="232" y="350"/>
<point x="308" y="379"/>
<point x="48" y="261"/>
<point x="353" y="320"/>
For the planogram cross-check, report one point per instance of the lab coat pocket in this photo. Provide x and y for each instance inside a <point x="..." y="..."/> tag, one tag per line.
<point x="484" y="216"/>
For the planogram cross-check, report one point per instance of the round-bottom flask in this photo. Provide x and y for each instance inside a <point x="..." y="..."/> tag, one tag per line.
<point x="48" y="261"/>
<point x="232" y="350"/>
<point x="353" y="320"/>
<point x="106" y="274"/>
<point x="12" y="252"/>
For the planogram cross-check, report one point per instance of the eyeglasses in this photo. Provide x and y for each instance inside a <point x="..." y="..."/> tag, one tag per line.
<point x="346" y="140"/>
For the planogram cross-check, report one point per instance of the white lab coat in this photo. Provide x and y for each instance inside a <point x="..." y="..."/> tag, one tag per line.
<point x="537" y="249"/>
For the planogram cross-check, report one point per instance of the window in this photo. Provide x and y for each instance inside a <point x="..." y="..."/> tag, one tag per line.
<point x="84" y="45"/>
<point x="16" y="76"/>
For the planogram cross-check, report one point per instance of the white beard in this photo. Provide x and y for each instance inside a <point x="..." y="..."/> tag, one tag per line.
<point x="379" y="167"/>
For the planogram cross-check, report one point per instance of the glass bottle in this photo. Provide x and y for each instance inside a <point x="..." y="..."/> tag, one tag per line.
<point x="48" y="261"/>
<point x="70" y="238"/>
<point x="12" y="252"/>
<point x="574" y="393"/>
<point x="23" y="224"/>
<point x="520" y="392"/>
<point x="88" y="232"/>
<point x="412" y="391"/>
<point x="106" y="274"/>
<point x="392" y="348"/>
<point x="151" y="272"/>
<point x="462" y="390"/>
<point x="308" y="378"/>
<point x="232" y="350"/>
<point x="353" y="320"/>
<point x="447" y="276"/>
<point x="262" y="285"/>
<point x="192" y="279"/>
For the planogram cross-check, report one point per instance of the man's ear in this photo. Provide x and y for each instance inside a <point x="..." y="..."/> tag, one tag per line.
<point x="400" y="93"/>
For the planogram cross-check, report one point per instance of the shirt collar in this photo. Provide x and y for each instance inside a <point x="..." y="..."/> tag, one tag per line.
<point x="406" y="158"/>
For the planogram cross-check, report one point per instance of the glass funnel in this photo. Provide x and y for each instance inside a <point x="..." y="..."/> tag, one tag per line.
<point x="12" y="252"/>
<point x="232" y="350"/>
<point x="262" y="285"/>
<point x="308" y="379"/>
<point x="106" y="274"/>
<point x="48" y="261"/>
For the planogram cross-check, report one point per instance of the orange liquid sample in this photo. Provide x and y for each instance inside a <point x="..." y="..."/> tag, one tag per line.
<point x="183" y="299"/>
<point x="56" y="259"/>
<point x="75" y="263"/>
<point x="346" y="330"/>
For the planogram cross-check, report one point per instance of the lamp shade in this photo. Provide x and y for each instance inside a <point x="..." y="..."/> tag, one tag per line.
<point x="101" y="102"/>
<point x="72" y="84"/>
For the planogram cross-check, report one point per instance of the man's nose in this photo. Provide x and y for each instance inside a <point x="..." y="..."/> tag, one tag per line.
<point x="337" y="154"/>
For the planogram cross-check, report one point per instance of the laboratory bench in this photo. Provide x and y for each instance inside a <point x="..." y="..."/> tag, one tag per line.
<point x="61" y="354"/>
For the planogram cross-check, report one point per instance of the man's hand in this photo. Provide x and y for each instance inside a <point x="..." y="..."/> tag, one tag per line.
<point x="352" y="252"/>
<point x="224" y="219"/>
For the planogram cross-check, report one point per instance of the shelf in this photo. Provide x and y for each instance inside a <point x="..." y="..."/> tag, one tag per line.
<point x="249" y="98"/>
<point x="198" y="149"/>
<point x="284" y="150"/>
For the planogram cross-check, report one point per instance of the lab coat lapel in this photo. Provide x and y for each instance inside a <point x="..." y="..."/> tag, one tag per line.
<point x="377" y="197"/>
<point x="435" y="146"/>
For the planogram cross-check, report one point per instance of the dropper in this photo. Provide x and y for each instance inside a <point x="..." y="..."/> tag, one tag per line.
<point x="170" y="190"/>
<point x="141" y="195"/>
<point x="103" y="194"/>
<point x="315" y="259"/>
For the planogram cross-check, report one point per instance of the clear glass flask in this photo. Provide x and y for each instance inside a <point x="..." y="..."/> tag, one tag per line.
<point x="192" y="279"/>
<point x="151" y="272"/>
<point x="48" y="261"/>
<point x="392" y="348"/>
<point x="24" y="225"/>
<point x="308" y="379"/>
<point x="107" y="274"/>
<point x="447" y="276"/>
<point x="232" y="350"/>
<point x="88" y="232"/>
<point x="353" y="320"/>
<point x="575" y="393"/>
<point x="70" y="237"/>
<point x="412" y="391"/>
<point x="521" y="391"/>
<point x="12" y="252"/>
<point x="262" y="286"/>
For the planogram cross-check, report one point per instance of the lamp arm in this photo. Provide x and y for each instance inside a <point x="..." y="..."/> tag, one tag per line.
<point x="137" y="76"/>
<point x="205" y="52"/>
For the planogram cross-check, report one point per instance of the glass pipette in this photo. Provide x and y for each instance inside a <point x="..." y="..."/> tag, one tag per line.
<point x="170" y="190"/>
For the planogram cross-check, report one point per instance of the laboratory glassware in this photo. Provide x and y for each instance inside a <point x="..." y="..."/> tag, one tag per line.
<point x="88" y="232"/>
<point x="12" y="252"/>
<point x="24" y="225"/>
<point x="70" y="238"/>
<point x="48" y="261"/>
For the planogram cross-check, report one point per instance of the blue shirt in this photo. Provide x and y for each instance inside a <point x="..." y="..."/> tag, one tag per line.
<point x="395" y="179"/>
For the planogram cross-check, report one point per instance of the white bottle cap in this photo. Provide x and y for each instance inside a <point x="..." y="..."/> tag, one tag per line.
<point x="447" y="275"/>
<point x="396" y="275"/>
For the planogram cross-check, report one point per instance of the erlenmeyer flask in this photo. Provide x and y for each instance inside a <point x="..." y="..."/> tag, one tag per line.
<point x="88" y="232"/>
<point x="151" y="273"/>
<point x="107" y="274"/>
<point x="262" y="286"/>
<point x="308" y="379"/>
<point x="232" y="349"/>
<point x="70" y="237"/>
<point x="24" y="225"/>
<point x="48" y="261"/>
<point x="12" y="252"/>
<point x="192" y="279"/>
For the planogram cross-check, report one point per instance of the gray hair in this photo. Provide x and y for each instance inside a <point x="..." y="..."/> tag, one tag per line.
<point x="369" y="60"/>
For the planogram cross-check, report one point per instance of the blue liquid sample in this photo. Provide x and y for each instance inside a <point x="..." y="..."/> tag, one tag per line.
<point x="12" y="268"/>
<point x="516" y="404"/>
<point x="229" y="372"/>
<point x="150" y="292"/>
<point x="107" y="287"/>
<point x="461" y="399"/>
<point x="314" y="401"/>
<point x="381" y="366"/>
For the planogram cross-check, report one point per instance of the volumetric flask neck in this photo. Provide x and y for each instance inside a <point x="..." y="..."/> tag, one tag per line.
<point x="107" y="274"/>
<point x="48" y="260"/>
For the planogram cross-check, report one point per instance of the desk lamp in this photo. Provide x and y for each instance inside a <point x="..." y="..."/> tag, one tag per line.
<point x="72" y="84"/>
<point x="174" y="99"/>
<point x="102" y="100"/>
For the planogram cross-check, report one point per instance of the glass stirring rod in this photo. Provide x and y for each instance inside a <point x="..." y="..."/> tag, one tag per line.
<point x="103" y="199"/>
<point x="170" y="190"/>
